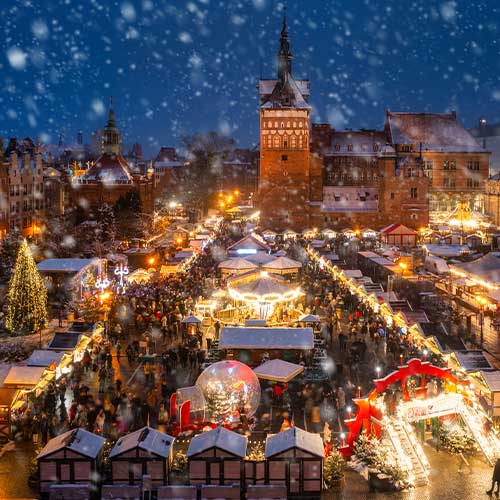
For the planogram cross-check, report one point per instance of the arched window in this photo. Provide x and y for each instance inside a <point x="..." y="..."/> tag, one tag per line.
<point x="287" y="124"/>
<point x="300" y="125"/>
<point x="294" y="124"/>
<point x="293" y="141"/>
<point x="282" y="124"/>
<point x="276" y="142"/>
<point x="270" y="124"/>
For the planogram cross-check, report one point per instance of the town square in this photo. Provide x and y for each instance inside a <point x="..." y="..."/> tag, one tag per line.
<point x="212" y="287"/>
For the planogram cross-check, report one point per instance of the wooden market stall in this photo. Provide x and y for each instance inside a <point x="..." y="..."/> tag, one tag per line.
<point x="295" y="457"/>
<point x="145" y="451"/>
<point x="8" y="398"/>
<point x="70" y="458"/>
<point x="217" y="457"/>
<point x="250" y="344"/>
<point x="24" y="377"/>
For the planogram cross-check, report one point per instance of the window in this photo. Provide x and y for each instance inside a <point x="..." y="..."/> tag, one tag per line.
<point x="375" y="148"/>
<point x="284" y="157"/>
<point x="428" y="165"/>
<point x="476" y="166"/>
<point x="285" y="143"/>
<point x="337" y="147"/>
<point x="476" y="183"/>
<point x="453" y="165"/>
<point x="287" y="124"/>
<point x="392" y="196"/>
<point x="470" y="164"/>
<point x="301" y="124"/>
<point x="349" y="147"/>
<point x="406" y="148"/>
<point x="413" y="193"/>
<point x="276" y="142"/>
<point x="446" y="165"/>
<point x="293" y="141"/>
<point x="469" y="182"/>
<point x="449" y="182"/>
<point x="410" y="172"/>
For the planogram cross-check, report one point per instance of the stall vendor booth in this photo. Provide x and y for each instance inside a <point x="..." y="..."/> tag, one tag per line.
<point x="217" y="457"/>
<point x="143" y="452"/>
<point x="45" y="358"/>
<point x="24" y="377"/>
<point x="8" y="398"/>
<point x="253" y="344"/>
<point x="469" y="361"/>
<point x="487" y="386"/>
<point x="295" y="457"/>
<point x="70" y="458"/>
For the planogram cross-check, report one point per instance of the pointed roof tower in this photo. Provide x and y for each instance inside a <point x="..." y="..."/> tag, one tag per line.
<point x="285" y="91"/>
<point x="111" y="134"/>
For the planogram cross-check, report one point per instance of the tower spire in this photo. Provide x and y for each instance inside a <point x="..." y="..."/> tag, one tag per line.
<point x="284" y="53"/>
<point x="111" y="113"/>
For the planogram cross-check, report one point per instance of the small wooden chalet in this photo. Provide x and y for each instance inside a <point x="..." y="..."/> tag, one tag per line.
<point x="8" y="398"/>
<point x="146" y="451"/>
<point x="295" y="458"/>
<point x="217" y="457"/>
<point x="70" y="458"/>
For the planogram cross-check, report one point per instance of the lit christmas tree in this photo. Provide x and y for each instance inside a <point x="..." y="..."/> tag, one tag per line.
<point x="27" y="299"/>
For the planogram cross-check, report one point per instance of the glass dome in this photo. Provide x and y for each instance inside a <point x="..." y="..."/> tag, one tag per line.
<point x="231" y="389"/>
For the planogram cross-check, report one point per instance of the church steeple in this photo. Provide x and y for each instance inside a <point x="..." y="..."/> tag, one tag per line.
<point x="284" y="53"/>
<point x="111" y="134"/>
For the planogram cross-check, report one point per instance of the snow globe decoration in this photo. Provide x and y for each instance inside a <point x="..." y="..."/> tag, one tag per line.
<point x="231" y="390"/>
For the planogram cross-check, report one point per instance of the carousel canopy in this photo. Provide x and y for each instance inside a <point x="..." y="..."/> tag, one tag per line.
<point x="294" y="438"/>
<point x="24" y="376"/>
<point x="138" y="276"/>
<point x="220" y="438"/>
<point x="283" y="264"/>
<point x="265" y="288"/>
<point x="42" y="357"/>
<point x="146" y="439"/>
<point x="77" y="440"/>
<point x="266" y="338"/>
<point x="309" y="318"/>
<point x="278" y="370"/>
<point x="191" y="319"/>
<point x="237" y="264"/>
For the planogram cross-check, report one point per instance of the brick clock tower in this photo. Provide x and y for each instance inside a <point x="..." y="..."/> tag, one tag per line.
<point x="284" y="146"/>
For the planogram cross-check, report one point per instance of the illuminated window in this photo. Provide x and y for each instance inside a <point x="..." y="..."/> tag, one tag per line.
<point x="293" y="141"/>
<point x="300" y="125"/>
<point x="276" y="141"/>
<point x="287" y="124"/>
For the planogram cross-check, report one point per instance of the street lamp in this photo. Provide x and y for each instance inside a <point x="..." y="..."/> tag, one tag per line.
<point x="403" y="267"/>
<point x="378" y="369"/>
<point x="482" y="302"/>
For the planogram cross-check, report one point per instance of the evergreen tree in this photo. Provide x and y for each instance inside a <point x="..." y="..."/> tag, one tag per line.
<point x="27" y="298"/>
<point x="8" y="251"/>
<point x="106" y="229"/>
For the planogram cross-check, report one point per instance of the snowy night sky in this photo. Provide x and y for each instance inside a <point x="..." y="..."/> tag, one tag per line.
<point x="175" y="67"/>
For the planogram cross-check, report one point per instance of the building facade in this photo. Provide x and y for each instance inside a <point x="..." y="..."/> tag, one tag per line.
<point x="110" y="176"/>
<point x="419" y="163"/>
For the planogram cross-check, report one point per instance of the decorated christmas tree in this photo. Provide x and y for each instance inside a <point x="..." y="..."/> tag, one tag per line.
<point x="333" y="468"/>
<point x="27" y="298"/>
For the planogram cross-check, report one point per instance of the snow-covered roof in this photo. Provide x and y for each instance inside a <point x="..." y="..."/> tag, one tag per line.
<point x="42" y="357"/>
<point x="146" y="439"/>
<point x="352" y="273"/>
<point x="492" y="379"/>
<point x="266" y="338"/>
<point x="447" y="250"/>
<point x="282" y="263"/>
<point x="486" y="268"/>
<point x="472" y="360"/>
<point x="436" y="132"/>
<point x="356" y="142"/>
<point x="221" y="438"/>
<point x="108" y="169"/>
<point x="249" y="242"/>
<point x="237" y="264"/>
<point x="65" y="265"/>
<point x="398" y="229"/>
<point x="294" y="438"/>
<point x="260" y="258"/>
<point x="24" y="376"/>
<point x="278" y="370"/>
<point x="77" y="440"/>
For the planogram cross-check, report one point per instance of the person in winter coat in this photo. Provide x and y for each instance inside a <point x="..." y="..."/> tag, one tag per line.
<point x="495" y="478"/>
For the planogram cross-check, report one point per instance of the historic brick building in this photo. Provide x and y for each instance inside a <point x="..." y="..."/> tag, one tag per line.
<point x="21" y="188"/>
<point x="110" y="176"/>
<point x="366" y="178"/>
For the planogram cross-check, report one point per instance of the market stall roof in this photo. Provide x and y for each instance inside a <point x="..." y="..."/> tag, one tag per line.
<point x="492" y="294"/>
<point x="24" y="376"/>
<point x="492" y="379"/>
<point x="65" y="265"/>
<point x="309" y="318"/>
<point x="266" y="338"/>
<point x="8" y="395"/>
<point x="278" y="370"/>
<point x="447" y="250"/>
<point x="398" y="229"/>
<point x="42" y="357"/>
<point x="486" y="268"/>
<point x="283" y="264"/>
<point x="77" y="440"/>
<point x="147" y="439"/>
<point x="249" y="242"/>
<point x="472" y="360"/>
<point x="260" y="258"/>
<point x="220" y="438"/>
<point x="191" y="319"/>
<point x="294" y="438"/>
<point x="237" y="264"/>
<point x="352" y="273"/>
<point x="64" y="341"/>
